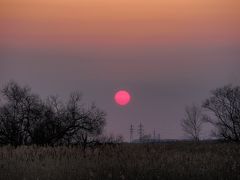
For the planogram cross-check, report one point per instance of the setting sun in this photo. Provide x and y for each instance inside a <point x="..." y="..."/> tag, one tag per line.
<point x="122" y="98"/>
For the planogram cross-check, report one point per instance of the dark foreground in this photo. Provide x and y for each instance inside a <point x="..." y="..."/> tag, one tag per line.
<point x="123" y="162"/>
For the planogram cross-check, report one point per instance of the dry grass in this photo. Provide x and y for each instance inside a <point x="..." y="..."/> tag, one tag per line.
<point x="126" y="161"/>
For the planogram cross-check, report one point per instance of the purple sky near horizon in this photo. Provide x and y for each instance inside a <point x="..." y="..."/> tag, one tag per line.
<point x="158" y="97"/>
<point x="164" y="69"/>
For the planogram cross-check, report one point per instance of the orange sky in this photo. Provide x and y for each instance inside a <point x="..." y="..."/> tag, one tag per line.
<point x="78" y="22"/>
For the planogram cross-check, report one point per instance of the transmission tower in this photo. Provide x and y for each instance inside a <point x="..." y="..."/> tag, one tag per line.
<point x="154" y="135"/>
<point x="131" y="132"/>
<point x="140" y="132"/>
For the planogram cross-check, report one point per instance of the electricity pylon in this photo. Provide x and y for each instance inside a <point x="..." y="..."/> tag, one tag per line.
<point x="140" y="132"/>
<point x="131" y="132"/>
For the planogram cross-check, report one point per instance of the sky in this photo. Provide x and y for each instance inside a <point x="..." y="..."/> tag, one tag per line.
<point x="166" y="53"/>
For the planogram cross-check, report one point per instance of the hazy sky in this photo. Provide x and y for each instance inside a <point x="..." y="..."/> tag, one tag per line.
<point x="166" y="53"/>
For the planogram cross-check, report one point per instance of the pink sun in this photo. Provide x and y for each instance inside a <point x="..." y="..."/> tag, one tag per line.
<point x="122" y="98"/>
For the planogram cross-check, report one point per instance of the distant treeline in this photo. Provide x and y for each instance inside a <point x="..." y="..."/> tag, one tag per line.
<point x="26" y="118"/>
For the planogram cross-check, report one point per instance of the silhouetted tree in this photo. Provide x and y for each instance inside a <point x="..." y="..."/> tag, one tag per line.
<point x="192" y="122"/>
<point x="49" y="128"/>
<point x="18" y="110"/>
<point x="225" y="106"/>
<point x="82" y="122"/>
<point x="26" y="119"/>
<point x="90" y="126"/>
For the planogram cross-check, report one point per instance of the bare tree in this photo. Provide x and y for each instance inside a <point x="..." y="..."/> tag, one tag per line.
<point x="73" y="123"/>
<point x="26" y="119"/>
<point x="225" y="106"/>
<point x="19" y="108"/>
<point x="91" y="126"/>
<point x="49" y="128"/>
<point x="192" y="123"/>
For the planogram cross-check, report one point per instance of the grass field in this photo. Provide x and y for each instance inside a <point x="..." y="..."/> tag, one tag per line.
<point x="123" y="162"/>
